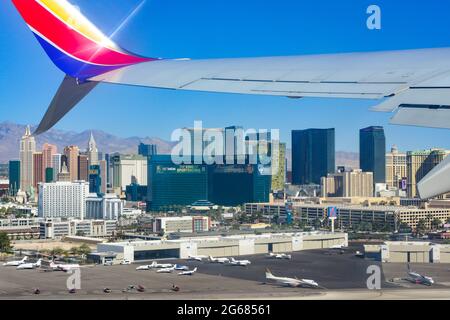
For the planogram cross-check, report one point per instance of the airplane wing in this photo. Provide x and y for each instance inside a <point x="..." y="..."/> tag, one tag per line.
<point x="413" y="83"/>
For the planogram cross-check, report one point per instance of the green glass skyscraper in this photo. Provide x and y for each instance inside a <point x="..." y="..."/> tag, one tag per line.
<point x="372" y="152"/>
<point x="313" y="155"/>
<point x="14" y="177"/>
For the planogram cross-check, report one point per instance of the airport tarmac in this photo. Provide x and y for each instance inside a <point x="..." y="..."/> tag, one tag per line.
<point x="341" y="276"/>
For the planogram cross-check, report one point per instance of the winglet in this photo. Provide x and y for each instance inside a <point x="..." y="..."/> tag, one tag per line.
<point x="70" y="92"/>
<point x="76" y="46"/>
<point x="72" y="42"/>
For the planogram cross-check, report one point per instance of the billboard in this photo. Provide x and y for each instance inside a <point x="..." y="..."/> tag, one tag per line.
<point x="332" y="212"/>
<point x="404" y="184"/>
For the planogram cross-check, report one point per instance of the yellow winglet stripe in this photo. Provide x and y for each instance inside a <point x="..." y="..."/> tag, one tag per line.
<point x="68" y="13"/>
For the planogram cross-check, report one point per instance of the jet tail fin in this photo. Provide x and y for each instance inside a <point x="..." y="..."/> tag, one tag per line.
<point x="268" y="273"/>
<point x="70" y="92"/>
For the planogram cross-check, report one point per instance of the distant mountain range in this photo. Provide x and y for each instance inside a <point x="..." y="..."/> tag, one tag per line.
<point x="10" y="134"/>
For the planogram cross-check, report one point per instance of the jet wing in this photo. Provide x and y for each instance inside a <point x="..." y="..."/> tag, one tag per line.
<point x="415" y="83"/>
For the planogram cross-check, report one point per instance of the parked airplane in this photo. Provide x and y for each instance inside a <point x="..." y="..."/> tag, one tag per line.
<point x="166" y="270"/>
<point x="417" y="278"/>
<point x="160" y="265"/>
<point x="179" y="267"/>
<point x="197" y="258"/>
<point x="15" y="263"/>
<point x="243" y="263"/>
<point x="413" y="84"/>
<point x="144" y="267"/>
<point x="291" y="282"/>
<point x="29" y="265"/>
<point x="280" y="256"/>
<point x="63" y="267"/>
<point x="337" y="246"/>
<point x="188" y="272"/>
<point x="218" y="260"/>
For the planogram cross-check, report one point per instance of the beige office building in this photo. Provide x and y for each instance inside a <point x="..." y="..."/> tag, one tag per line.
<point x="27" y="149"/>
<point x="419" y="163"/>
<point x="353" y="183"/>
<point x="396" y="168"/>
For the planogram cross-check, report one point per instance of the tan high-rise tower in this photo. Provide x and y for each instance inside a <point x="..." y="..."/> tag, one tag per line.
<point x="419" y="163"/>
<point x="72" y="152"/>
<point x="396" y="168"/>
<point x="48" y="150"/>
<point x="27" y="148"/>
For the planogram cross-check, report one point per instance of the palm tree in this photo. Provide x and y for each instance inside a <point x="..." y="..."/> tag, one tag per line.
<point x="436" y="223"/>
<point x="421" y="227"/>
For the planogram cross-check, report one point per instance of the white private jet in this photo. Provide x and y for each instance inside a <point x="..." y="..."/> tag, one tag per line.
<point x="24" y="266"/>
<point x="338" y="246"/>
<point x="188" y="272"/>
<point x="63" y="267"/>
<point x="180" y="267"/>
<point x="160" y="265"/>
<point x="166" y="270"/>
<point x="279" y="256"/>
<point x="218" y="260"/>
<point x="242" y="263"/>
<point x="291" y="282"/>
<point x="418" y="278"/>
<point x="144" y="267"/>
<point x="16" y="262"/>
<point x="197" y="258"/>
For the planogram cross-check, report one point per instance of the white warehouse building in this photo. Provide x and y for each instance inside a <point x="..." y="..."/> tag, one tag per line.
<point x="63" y="199"/>
<point x="222" y="246"/>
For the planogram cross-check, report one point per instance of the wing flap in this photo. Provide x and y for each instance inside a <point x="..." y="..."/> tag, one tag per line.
<point x="423" y="116"/>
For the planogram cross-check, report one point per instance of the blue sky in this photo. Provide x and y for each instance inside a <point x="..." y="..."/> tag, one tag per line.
<point x="213" y="29"/>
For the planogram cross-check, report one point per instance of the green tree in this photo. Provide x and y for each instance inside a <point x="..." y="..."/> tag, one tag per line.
<point x="436" y="223"/>
<point x="57" y="251"/>
<point x="5" y="243"/>
<point x="317" y="223"/>
<point x="421" y="227"/>
<point x="84" y="249"/>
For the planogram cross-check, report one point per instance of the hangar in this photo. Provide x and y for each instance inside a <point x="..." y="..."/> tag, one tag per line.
<point x="405" y="252"/>
<point x="221" y="246"/>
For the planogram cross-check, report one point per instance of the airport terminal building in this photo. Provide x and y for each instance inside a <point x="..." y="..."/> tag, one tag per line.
<point x="221" y="246"/>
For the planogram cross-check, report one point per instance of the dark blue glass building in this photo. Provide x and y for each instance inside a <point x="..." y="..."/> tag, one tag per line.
<point x="147" y="149"/>
<point x="313" y="155"/>
<point x="372" y="152"/>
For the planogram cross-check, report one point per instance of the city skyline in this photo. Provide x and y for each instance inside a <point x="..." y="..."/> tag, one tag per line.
<point x="256" y="111"/>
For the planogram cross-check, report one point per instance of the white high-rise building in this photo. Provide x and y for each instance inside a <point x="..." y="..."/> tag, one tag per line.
<point x="108" y="207"/>
<point x="92" y="151"/>
<point x="56" y="162"/>
<point x="63" y="199"/>
<point x="27" y="148"/>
